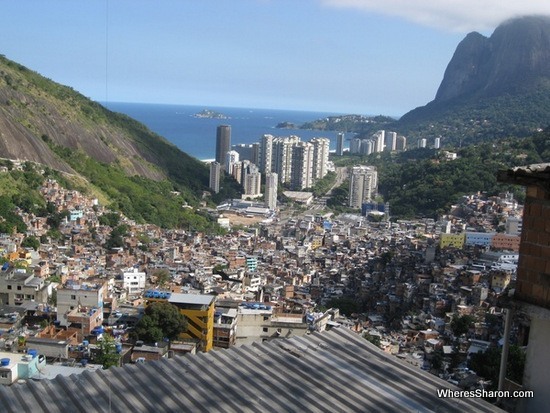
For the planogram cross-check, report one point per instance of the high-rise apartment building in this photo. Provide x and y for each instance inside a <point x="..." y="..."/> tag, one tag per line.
<point x="363" y="184"/>
<point x="215" y="173"/>
<point x="266" y="153"/>
<point x="401" y="143"/>
<point x="391" y="141"/>
<point x="321" y="148"/>
<point x="223" y="143"/>
<point x="282" y="157"/>
<point x="437" y="143"/>
<point x="380" y="140"/>
<point x="271" y="187"/>
<point x="231" y="159"/>
<point x="355" y="146"/>
<point x="301" y="173"/>
<point x="252" y="184"/>
<point x="340" y="144"/>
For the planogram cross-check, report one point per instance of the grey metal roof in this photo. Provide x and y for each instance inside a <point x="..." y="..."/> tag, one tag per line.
<point x="526" y="175"/>
<point x="198" y="299"/>
<point x="334" y="371"/>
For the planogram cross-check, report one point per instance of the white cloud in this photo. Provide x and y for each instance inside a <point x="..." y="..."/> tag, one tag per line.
<point x="449" y="15"/>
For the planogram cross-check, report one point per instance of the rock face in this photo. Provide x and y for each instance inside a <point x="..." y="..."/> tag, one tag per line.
<point x="515" y="59"/>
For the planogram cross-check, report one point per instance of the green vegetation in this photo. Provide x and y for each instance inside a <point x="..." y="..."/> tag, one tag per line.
<point x="108" y="356"/>
<point x="460" y="325"/>
<point x="161" y="320"/>
<point x="161" y="276"/>
<point x="350" y="123"/>
<point x="479" y="120"/>
<point x="323" y="185"/>
<point x="487" y="365"/>
<point x="421" y="182"/>
<point x="114" y="153"/>
<point x="31" y="242"/>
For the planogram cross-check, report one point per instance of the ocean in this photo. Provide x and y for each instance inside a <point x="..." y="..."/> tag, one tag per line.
<point x="197" y="136"/>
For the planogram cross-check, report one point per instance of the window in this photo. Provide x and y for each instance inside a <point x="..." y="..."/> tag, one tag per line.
<point x="4" y="374"/>
<point x="9" y="287"/>
<point x="73" y="297"/>
<point x="266" y="317"/>
<point x="19" y="287"/>
<point x="265" y="329"/>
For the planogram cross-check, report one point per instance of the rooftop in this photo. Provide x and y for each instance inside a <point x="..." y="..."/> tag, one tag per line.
<point x="332" y="371"/>
<point x="195" y="299"/>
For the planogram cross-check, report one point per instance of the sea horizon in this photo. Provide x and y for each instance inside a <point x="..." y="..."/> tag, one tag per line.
<point x="197" y="136"/>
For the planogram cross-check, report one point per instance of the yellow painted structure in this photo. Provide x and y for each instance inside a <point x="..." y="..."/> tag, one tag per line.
<point x="198" y="309"/>
<point x="452" y="240"/>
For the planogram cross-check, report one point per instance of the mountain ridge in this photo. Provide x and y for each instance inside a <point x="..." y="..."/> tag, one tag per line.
<point x="489" y="81"/>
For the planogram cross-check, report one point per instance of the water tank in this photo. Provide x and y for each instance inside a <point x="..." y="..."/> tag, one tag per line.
<point x="84" y="362"/>
<point x="85" y="343"/>
<point x="118" y="347"/>
<point x="4" y="362"/>
<point x="32" y="353"/>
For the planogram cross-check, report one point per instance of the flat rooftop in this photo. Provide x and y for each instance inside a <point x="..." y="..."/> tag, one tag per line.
<point x="194" y="299"/>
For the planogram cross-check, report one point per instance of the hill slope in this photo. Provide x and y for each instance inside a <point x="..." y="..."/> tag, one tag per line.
<point x="131" y="168"/>
<point x="35" y="112"/>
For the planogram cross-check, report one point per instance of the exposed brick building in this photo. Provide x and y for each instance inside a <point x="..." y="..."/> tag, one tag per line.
<point x="532" y="292"/>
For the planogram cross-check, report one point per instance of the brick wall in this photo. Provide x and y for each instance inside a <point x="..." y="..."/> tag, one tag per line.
<point x="533" y="280"/>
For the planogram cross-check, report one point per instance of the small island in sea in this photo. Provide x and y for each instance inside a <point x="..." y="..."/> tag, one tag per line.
<point x="286" y="125"/>
<point x="210" y="114"/>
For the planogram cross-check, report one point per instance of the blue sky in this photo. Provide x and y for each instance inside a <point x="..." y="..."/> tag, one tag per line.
<point x="341" y="56"/>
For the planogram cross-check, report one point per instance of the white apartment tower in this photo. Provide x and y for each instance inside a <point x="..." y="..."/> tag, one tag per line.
<point x="355" y="145"/>
<point x="215" y="172"/>
<point x="282" y="157"/>
<point x="271" y="187"/>
<point x="363" y="184"/>
<point x="391" y="141"/>
<point x="301" y="173"/>
<point x="252" y="184"/>
<point x="401" y="143"/>
<point x="231" y="158"/>
<point x="321" y="148"/>
<point x="380" y="139"/>
<point x="266" y="153"/>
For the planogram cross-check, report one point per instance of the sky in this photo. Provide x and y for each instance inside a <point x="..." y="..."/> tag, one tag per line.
<point x="343" y="56"/>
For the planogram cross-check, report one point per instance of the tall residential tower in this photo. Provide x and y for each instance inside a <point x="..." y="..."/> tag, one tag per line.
<point x="223" y="143"/>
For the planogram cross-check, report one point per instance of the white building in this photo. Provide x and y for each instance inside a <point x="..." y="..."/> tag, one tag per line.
<point x="266" y="153"/>
<point x="271" y="188"/>
<point x="363" y="185"/>
<point x="82" y="296"/>
<point x="252" y="185"/>
<point x="133" y="280"/>
<point x="231" y="158"/>
<point x="215" y="172"/>
<point x="301" y="173"/>
<point x="321" y="148"/>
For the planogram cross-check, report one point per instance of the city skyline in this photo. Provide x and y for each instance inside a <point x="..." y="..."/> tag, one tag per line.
<point x="341" y="56"/>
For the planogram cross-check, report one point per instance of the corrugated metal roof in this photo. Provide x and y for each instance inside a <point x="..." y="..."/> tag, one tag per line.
<point x="335" y="371"/>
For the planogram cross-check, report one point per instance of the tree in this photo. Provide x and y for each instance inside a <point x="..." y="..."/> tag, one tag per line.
<point x="162" y="277"/>
<point x="461" y="324"/>
<point x="31" y="242"/>
<point x="108" y="355"/>
<point x="161" y="320"/>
